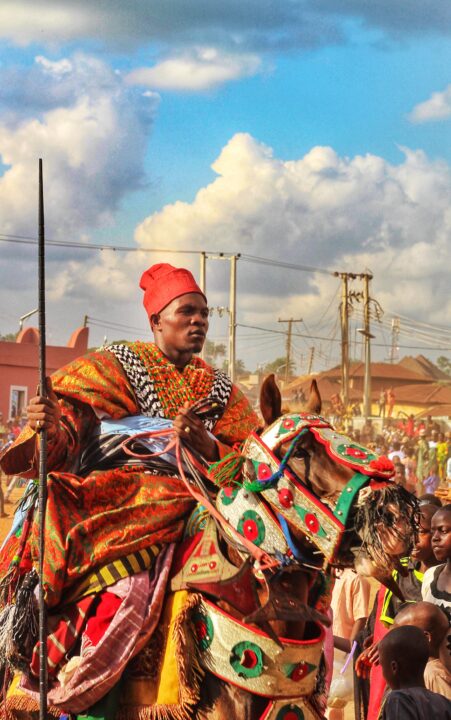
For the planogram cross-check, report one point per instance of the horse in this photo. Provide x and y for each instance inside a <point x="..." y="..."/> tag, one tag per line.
<point x="303" y="475"/>
<point x="242" y="632"/>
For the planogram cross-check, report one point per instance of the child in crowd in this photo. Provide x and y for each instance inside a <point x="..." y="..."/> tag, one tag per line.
<point x="387" y="605"/>
<point x="432" y="481"/>
<point x="434" y="623"/>
<point x="437" y="580"/>
<point x="403" y="654"/>
<point x="429" y="499"/>
<point x="350" y="606"/>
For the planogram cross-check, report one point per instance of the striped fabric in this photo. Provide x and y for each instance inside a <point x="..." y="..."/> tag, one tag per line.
<point x="109" y="574"/>
<point x="63" y="638"/>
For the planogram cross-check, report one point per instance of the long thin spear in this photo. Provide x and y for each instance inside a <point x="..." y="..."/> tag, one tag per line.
<point x="42" y="460"/>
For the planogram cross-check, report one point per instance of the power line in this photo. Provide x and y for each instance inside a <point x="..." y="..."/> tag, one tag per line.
<point x="24" y="240"/>
<point x="337" y="340"/>
<point x="30" y="240"/>
<point x="289" y="266"/>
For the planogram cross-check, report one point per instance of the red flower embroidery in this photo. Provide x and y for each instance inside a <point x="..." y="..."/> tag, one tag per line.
<point x="263" y="472"/>
<point x="249" y="659"/>
<point x="288" y="424"/>
<point x="312" y="523"/>
<point x="201" y="629"/>
<point x="356" y="453"/>
<point x="250" y="530"/>
<point x="299" y="672"/>
<point x="285" y="497"/>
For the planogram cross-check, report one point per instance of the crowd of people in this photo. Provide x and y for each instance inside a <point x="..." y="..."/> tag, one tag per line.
<point x="401" y="645"/>
<point x="419" y="449"/>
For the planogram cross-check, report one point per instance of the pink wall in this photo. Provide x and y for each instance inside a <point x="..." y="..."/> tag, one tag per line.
<point x="19" y="363"/>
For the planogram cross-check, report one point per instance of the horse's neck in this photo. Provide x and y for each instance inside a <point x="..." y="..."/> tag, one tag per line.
<point x="224" y="701"/>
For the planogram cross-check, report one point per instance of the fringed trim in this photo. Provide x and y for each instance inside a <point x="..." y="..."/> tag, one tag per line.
<point x="228" y="470"/>
<point x="22" y="704"/>
<point x="191" y="673"/>
<point x="187" y="653"/>
<point x="6" y="630"/>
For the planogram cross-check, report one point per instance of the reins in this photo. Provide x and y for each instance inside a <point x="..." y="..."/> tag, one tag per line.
<point x="183" y="454"/>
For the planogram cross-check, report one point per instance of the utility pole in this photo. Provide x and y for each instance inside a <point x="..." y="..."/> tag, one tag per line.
<point x="367" y="341"/>
<point x="288" y="345"/>
<point x="344" y="313"/>
<point x="232" y="318"/>
<point x="203" y="285"/>
<point x="395" y="329"/>
<point x="310" y="361"/>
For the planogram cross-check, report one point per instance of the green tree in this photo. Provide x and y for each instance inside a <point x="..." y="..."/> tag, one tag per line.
<point x="444" y="364"/>
<point x="278" y="365"/>
<point x="9" y="337"/>
<point x="240" y="368"/>
<point x="214" y="351"/>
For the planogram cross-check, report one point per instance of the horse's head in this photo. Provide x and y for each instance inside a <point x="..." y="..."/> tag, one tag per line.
<point x="333" y="494"/>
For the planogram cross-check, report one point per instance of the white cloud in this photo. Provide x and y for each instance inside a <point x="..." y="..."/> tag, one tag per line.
<point x="437" y="107"/>
<point x="55" y="68"/>
<point x="320" y="209"/>
<point x="97" y="128"/>
<point x="200" y="68"/>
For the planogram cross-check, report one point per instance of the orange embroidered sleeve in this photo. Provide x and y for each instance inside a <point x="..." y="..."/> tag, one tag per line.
<point x="238" y="421"/>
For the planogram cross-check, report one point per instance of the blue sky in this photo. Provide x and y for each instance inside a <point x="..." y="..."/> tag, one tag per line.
<point x="327" y="123"/>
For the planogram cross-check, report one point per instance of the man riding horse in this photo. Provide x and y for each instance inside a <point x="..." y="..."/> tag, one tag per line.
<point x="162" y="380"/>
<point x="114" y="514"/>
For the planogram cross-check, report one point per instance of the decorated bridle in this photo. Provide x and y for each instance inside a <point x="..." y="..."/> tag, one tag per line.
<point x="256" y="508"/>
<point x="290" y="501"/>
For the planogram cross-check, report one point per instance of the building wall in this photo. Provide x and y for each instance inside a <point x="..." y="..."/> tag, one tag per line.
<point x="19" y="365"/>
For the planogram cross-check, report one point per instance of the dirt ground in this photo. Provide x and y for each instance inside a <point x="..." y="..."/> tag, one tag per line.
<point x="10" y="507"/>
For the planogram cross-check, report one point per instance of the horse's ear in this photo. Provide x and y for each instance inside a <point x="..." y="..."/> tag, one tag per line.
<point x="270" y="400"/>
<point x="314" y="401"/>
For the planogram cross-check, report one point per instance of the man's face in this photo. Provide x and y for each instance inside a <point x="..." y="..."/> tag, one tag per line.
<point x="441" y="535"/>
<point x="182" y="325"/>
<point x="422" y="551"/>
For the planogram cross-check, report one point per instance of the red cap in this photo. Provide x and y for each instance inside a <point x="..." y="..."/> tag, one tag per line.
<point x="162" y="283"/>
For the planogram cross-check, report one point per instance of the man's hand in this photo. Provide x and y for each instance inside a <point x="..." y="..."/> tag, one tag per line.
<point x="44" y="412"/>
<point x="193" y="433"/>
<point x="366" y="660"/>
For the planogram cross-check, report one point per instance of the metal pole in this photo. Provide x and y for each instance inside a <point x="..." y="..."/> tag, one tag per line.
<point x="288" y="344"/>
<point x="43" y="680"/>
<point x="287" y="364"/>
<point x="203" y="285"/>
<point x="232" y="318"/>
<point x="310" y="362"/>
<point x="367" y="344"/>
<point x="344" y="340"/>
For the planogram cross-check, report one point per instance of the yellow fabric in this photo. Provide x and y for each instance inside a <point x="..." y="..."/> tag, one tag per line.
<point x="167" y="686"/>
<point x="14" y="688"/>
